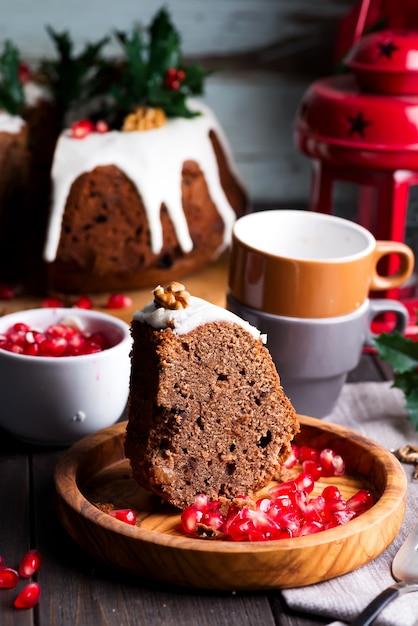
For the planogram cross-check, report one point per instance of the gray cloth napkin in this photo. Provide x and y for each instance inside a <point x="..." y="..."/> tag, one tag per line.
<point x="376" y="410"/>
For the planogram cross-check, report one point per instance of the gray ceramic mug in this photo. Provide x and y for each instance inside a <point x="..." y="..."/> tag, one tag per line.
<point x="314" y="356"/>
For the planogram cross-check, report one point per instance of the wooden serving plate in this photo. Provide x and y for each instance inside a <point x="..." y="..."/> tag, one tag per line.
<point x="95" y="471"/>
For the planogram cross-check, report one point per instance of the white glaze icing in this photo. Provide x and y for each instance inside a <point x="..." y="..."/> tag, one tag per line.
<point x="198" y="312"/>
<point x="153" y="160"/>
<point x="10" y="123"/>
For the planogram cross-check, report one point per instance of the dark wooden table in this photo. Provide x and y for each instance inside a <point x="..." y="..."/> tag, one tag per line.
<point x="79" y="591"/>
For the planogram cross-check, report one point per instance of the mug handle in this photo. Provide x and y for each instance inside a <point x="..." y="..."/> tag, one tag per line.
<point x="378" y="306"/>
<point x="407" y="262"/>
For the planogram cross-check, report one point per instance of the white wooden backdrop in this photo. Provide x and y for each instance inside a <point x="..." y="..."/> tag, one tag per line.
<point x="267" y="53"/>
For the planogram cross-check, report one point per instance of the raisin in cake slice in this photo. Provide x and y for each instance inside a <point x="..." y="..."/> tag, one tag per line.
<point x="207" y="413"/>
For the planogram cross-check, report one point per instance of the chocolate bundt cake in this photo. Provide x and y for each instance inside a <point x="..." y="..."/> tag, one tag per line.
<point x="132" y="209"/>
<point x="207" y="413"/>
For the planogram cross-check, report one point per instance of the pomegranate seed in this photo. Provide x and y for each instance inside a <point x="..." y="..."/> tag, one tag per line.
<point x="360" y="501"/>
<point x="28" y="597"/>
<point x="311" y="528"/>
<point x="331" y="492"/>
<point x="326" y="458"/>
<point x="313" y="468"/>
<point x="190" y="517"/>
<point x="338" y="465"/>
<point x="100" y="339"/>
<point x="305" y="482"/>
<point x="53" y="346"/>
<point x="101" y="126"/>
<point x="306" y="453"/>
<point x="292" y="459"/>
<point x="214" y="519"/>
<point x="119" y="301"/>
<point x="283" y="489"/>
<point x="181" y="75"/>
<point x="84" y="302"/>
<point x="124" y="515"/>
<point x="8" y="577"/>
<point x="82" y="128"/>
<point x="201" y="502"/>
<point x="7" y="292"/>
<point x="30" y="563"/>
<point x="52" y="303"/>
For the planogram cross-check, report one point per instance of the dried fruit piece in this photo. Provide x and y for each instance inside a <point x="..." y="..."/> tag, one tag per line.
<point x="30" y="563"/>
<point x="28" y="597"/>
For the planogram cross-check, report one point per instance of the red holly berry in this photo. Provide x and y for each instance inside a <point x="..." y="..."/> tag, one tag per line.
<point x="174" y="78"/>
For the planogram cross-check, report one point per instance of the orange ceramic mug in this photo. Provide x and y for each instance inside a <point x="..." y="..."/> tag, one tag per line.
<point x="305" y="264"/>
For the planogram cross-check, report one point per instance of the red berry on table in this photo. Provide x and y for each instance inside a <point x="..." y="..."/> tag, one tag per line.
<point x="119" y="301"/>
<point x="52" y="303"/>
<point x="30" y="563"/>
<point x="84" y="302"/>
<point x="28" y="597"/>
<point x="8" y="577"/>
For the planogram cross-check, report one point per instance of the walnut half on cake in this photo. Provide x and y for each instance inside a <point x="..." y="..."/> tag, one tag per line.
<point x="207" y="413"/>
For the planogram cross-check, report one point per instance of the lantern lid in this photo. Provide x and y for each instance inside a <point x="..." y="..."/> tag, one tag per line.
<point x="386" y="62"/>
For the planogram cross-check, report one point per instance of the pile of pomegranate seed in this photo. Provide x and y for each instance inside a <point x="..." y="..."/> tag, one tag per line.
<point x="57" y="340"/>
<point x="288" y="511"/>
<point x="29" y="595"/>
<point x="82" y="128"/>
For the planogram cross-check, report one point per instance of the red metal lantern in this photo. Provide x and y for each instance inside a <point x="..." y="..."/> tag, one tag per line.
<point x="362" y="127"/>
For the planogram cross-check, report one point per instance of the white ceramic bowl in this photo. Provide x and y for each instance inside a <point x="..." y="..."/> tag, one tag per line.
<point x="58" y="400"/>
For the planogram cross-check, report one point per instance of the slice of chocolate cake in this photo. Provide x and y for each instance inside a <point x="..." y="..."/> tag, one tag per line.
<point x="207" y="413"/>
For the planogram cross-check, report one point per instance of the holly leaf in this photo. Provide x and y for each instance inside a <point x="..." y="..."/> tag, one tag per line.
<point x="143" y="77"/>
<point x="73" y="77"/>
<point x="412" y="407"/>
<point x="399" y="351"/>
<point x="402" y="353"/>
<point x="12" y="98"/>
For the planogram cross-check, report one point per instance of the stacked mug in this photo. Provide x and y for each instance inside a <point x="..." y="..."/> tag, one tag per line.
<point x="303" y="279"/>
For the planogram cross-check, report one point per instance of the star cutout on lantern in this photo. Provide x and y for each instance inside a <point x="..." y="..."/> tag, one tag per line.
<point x="386" y="49"/>
<point x="357" y="124"/>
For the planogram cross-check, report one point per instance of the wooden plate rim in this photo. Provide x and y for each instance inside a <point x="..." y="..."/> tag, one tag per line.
<point x="67" y="466"/>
